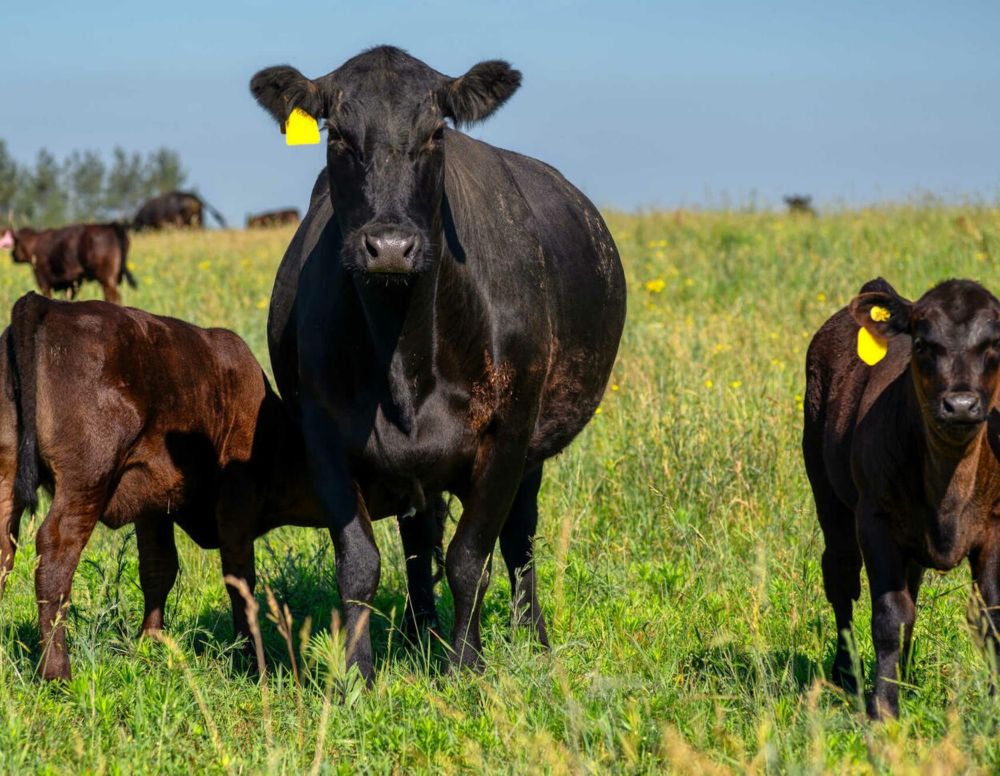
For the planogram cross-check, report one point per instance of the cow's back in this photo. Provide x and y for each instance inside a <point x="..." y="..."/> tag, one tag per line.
<point x="167" y="404"/>
<point x="840" y="391"/>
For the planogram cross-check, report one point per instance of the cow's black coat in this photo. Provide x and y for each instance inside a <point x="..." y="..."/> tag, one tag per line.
<point x="445" y="319"/>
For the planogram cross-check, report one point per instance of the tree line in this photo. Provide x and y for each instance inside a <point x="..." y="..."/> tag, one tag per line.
<point x="82" y="186"/>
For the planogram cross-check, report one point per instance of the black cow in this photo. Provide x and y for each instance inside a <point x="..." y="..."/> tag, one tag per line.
<point x="175" y="208"/>
<point x="445" y="319"/>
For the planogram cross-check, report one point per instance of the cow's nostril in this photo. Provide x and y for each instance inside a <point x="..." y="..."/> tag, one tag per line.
<point x="371" y="246"/>
<point x="408" y="247"/>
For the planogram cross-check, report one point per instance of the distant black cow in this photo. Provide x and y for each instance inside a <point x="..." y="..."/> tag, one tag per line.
<point x="900" y="461"/>
<point x="800" y="204"/>
<point x="273" y="218"/>
<point x="175" y="208"/>
<point x="445" y="319"/>
<point x="63" y="259"/>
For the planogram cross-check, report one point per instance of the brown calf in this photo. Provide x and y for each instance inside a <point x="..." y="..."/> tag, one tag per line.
<point x="130" y="417"/>
<point x="63" y="258"/>
<point x="900" y="460"/>
<point x="273" y="218"/>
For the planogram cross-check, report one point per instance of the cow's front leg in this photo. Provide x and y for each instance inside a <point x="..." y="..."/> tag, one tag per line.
<point x="985" y="563"/>
<point x="893" y="608"/>
<point x="359" y="564"/>
<point x="470" y="553"/>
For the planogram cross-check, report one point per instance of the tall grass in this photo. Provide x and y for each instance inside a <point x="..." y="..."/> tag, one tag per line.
<point x="678" y="557"/>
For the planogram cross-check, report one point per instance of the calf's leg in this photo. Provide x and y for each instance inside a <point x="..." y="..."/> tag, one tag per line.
<point x="61" y="538"/>
<point x="517" y="538"/>
<point x="985" y="563"/>
<point x="157" y="568"/>
<point x="110" y="289"/>
<point x="10" y="524"/>
<point x="891" y="580"/>
<point x="841" y="563"/>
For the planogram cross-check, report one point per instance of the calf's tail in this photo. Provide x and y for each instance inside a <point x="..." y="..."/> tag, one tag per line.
<point x="24" y="322"/>
<point x="121" y="233"/>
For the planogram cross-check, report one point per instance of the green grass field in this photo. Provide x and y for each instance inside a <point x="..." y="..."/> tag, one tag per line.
<point x="678" y="557"/>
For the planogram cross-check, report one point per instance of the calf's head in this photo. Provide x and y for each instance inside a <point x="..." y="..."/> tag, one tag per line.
<point x="955" y="359"/>
<point x="385" y="113"/>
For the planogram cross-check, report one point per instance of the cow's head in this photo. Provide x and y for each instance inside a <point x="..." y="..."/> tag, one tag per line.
<point x="385" y="114"/>
<point x="955" y="359"/>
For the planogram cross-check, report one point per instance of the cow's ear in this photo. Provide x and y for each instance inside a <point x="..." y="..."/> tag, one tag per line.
<point x="883" y="312"/>
<point x="281" y="89"/>
<point x="477" y="94"/>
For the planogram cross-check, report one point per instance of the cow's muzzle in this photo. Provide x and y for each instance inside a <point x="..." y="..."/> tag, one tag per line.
<point x="390" y="250"/>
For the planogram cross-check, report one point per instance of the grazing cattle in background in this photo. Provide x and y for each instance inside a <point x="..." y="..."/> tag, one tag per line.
<point x="128" y="417"/>
<point x="175" y="208"/>
<point x="273" y="218"/>
<point x="900" y="460"/>
<point x="445" y="319"/>
<point x="63" y="259"/>
<point x="800" y="204"/>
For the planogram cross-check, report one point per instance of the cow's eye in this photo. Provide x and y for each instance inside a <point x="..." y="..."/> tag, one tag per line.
<point x="437" y="134"/>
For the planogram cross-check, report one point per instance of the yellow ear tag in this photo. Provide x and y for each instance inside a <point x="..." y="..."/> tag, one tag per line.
<point x="879" y="314"/>
<point x="301" y="129"/>
<point x="871" y="349"/>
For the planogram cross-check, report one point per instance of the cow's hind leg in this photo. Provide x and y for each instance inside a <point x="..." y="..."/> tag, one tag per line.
<point x="421" y="534"/>
<point x="110" y="289"/>
<point x="157" y="568"/>
<point x="517" y="538"/>
<point x="10" y="524"/>
<point x="61" y="538"/>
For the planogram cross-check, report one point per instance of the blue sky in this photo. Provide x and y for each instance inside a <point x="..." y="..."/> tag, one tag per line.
<point x="641" y="104"/>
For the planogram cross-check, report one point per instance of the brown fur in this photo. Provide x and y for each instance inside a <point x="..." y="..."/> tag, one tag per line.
<point x="900" y="460"/>
<point x="273" y="218"/>
<point x="140" y="419"/>
<point x="63" y="259"/>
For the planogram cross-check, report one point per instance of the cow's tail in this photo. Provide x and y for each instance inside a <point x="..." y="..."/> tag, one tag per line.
<point x="24" y="322"/>
<point x="215" y="214"/>
<point x="121" y="233"/>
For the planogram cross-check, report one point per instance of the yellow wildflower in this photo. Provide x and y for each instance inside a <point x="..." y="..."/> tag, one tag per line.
<point x="614" y="386"/>
<point x="820" y="297"/>
<point x="736" y="384"/>
<point x="656" y="286"/>
<point x="709" y="383"/>
<point x="204" y="265"/>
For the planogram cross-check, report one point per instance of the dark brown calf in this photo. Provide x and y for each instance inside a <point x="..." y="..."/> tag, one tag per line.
<point x="135" y="418"/>
<point x="900" y="460"/>
<point x="273" y="218"/>
<point x="63" y="258"/>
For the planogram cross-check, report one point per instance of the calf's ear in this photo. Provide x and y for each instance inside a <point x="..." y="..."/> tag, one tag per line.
<point x="883" y="312"/>
<point x="477" y="94"/>
<point x="281" y="89"/>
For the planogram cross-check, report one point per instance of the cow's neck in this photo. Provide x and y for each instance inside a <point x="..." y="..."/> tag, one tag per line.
<point x="398" y="339"/>
<point x="954" y="474"/>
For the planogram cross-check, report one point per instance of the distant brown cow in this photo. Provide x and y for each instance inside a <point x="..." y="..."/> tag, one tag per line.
<point x="130" y="417"/>
<point x="273" y="218"/>
<point x="64" y="258"/>
<point x="900" y="459"/>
